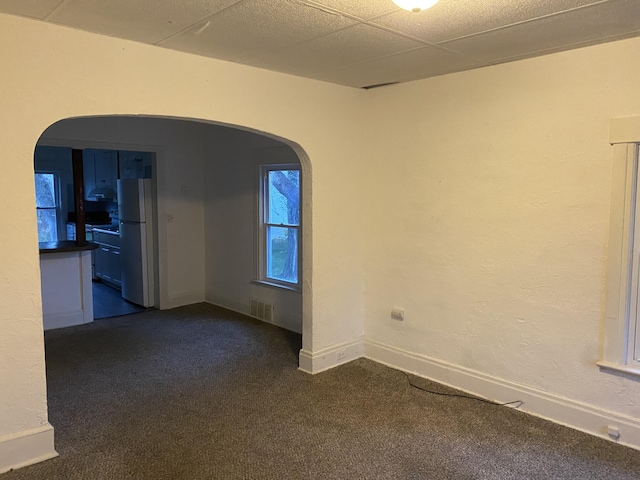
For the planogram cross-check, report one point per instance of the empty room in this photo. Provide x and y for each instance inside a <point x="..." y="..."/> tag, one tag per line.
<point x="388" y="240"/>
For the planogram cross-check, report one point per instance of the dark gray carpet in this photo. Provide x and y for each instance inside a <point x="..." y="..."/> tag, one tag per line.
<point x="202" y="393"/>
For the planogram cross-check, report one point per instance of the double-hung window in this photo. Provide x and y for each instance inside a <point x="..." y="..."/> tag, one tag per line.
<point x="279" y="225"/>
<point x="622" y="317"/>
<point x="47" y="206"/>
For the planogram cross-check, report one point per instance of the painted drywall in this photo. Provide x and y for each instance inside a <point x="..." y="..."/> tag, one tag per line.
<point x="494" y="235"/>
<point x="232" y="165"/>
<point x="58" y="73"/>
<point x="180" y="190"/>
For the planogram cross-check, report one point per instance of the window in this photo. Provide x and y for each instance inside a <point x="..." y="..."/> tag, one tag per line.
<point x="47" y="206"/>
<point x="279" y="225"/>
<point x="622" y="317"/>
<point x="633" y="345"/>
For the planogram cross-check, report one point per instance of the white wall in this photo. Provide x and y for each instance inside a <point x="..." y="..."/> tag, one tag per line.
<point x="179" y="173"/>
<point x="232" y="160"/>
<point x="52" y="73"/>
<point x="494" y="235"/>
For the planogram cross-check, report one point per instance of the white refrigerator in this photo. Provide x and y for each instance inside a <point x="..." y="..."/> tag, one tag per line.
<point x="135" y="209"/>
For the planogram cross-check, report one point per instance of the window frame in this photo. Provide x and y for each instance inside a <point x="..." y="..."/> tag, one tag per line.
<point x="621" y="347"/>
<point x="57" y="196"/>
<point x="263" y="225"/>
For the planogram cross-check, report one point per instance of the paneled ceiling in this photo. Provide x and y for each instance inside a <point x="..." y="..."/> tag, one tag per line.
<point x="357" y="43"/>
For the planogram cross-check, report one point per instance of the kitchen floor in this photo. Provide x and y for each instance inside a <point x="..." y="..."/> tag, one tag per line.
<point x="108" y="302"/>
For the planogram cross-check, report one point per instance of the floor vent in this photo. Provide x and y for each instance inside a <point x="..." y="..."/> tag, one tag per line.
<point x="261" y="310"/>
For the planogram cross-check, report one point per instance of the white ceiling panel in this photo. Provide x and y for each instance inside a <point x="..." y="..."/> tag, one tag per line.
<point x="349" y="42"/>
<point x="146" y="21"/>
<point x="253" y="27"/>
<point x="452" y="19"/>
<point x="29" y="8"/>
<point x="600" y="21"/>
<point x="351" y="45"/>
<point x="361" y="9"/>
<point x="421" y="63"/>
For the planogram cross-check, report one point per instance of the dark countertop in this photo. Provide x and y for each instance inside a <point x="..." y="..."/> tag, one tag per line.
<point x="66" y="246"/>
<point x="111" y="230"/>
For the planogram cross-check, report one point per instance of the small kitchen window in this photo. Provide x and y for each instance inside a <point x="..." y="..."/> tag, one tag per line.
<point x="47" y="203"/>
<point x="279" y="225"/>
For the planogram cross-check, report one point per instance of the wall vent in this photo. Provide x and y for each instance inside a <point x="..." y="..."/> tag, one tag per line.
<point x="261" y="310"/>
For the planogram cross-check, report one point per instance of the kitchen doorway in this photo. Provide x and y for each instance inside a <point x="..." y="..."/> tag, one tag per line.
<point x="119" y="217"/>
<point x="123" y="264"/>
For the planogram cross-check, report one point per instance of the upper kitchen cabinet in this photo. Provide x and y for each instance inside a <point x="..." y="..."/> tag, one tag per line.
<point x="135" y="164"/>
<point x="100" y="174"/>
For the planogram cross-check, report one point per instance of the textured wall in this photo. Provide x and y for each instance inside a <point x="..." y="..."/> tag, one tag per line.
<point x="498" y="217"/>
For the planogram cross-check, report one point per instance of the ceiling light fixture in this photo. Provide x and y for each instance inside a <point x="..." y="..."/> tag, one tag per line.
<point x="415" y="5"/>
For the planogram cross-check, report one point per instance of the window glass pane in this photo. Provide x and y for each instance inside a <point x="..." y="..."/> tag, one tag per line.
<point x="47" y="227"/>
<point x="282" y="254"/>
<point x="284" y="197"/>
<point x="45" y="190"/>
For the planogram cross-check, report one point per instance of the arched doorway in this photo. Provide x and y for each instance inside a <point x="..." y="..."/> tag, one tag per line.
<point x="206" y="186"/>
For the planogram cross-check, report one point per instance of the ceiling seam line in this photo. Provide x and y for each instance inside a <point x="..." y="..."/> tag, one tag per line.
<point x="298" y="43"/>
<point x="189" y="27"/>
<point x="55" y="9"/>
<point x="483" y="63"/>
<point x="566" y="47"/>
<point x="524" y="22"/>
<point x="372" y="23"/>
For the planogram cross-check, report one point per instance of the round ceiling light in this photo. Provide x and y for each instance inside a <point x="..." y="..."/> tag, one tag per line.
<point x="415" y="5"/>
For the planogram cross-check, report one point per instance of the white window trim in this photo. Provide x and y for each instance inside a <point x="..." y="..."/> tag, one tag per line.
<point x="58" y="196"/>
<point x="621" y="304"/>
<point x="261" y="254"/>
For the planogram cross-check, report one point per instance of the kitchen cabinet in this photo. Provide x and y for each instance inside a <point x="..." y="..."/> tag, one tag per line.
<point x="100" y="174"/>
<point x="71" y="231"/>
<point x="135" y="164"/>
<point x="107" y="266"/>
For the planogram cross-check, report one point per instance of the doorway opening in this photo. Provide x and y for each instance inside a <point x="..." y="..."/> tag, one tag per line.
<point x="205" y="178"/>
<point x="110" y="199"/>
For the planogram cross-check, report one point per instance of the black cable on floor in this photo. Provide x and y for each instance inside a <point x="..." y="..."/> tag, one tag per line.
<point x="517" y="403"/>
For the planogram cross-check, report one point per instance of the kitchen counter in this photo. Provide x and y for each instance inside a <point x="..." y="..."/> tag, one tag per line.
<point x="65" y="279"/>
<point x="66" y="246"/>
<point x="108" y="231"/>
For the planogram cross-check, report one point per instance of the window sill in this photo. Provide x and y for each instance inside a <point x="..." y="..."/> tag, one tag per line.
<point x="266" y="283"/>
<point x="619" y="367"/>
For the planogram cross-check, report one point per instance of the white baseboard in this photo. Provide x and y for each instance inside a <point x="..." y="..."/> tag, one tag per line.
<point x="64" y="319"/>
<point x="20" y="449"/>
<point x="188" y="298"/>
<point x="236" y="305"/>
<point x="558" y="409"/>
<point x="321" y="360"/>
<point x="233" y="304"/>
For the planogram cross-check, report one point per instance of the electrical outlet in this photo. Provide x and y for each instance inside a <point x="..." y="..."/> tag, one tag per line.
<point x="397" y="313"/>
<point x="613" y="431"/>
<point x="341" y="354"/>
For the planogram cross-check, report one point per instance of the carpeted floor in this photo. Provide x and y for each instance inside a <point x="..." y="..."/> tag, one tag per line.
<point x="202" y="393"/>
